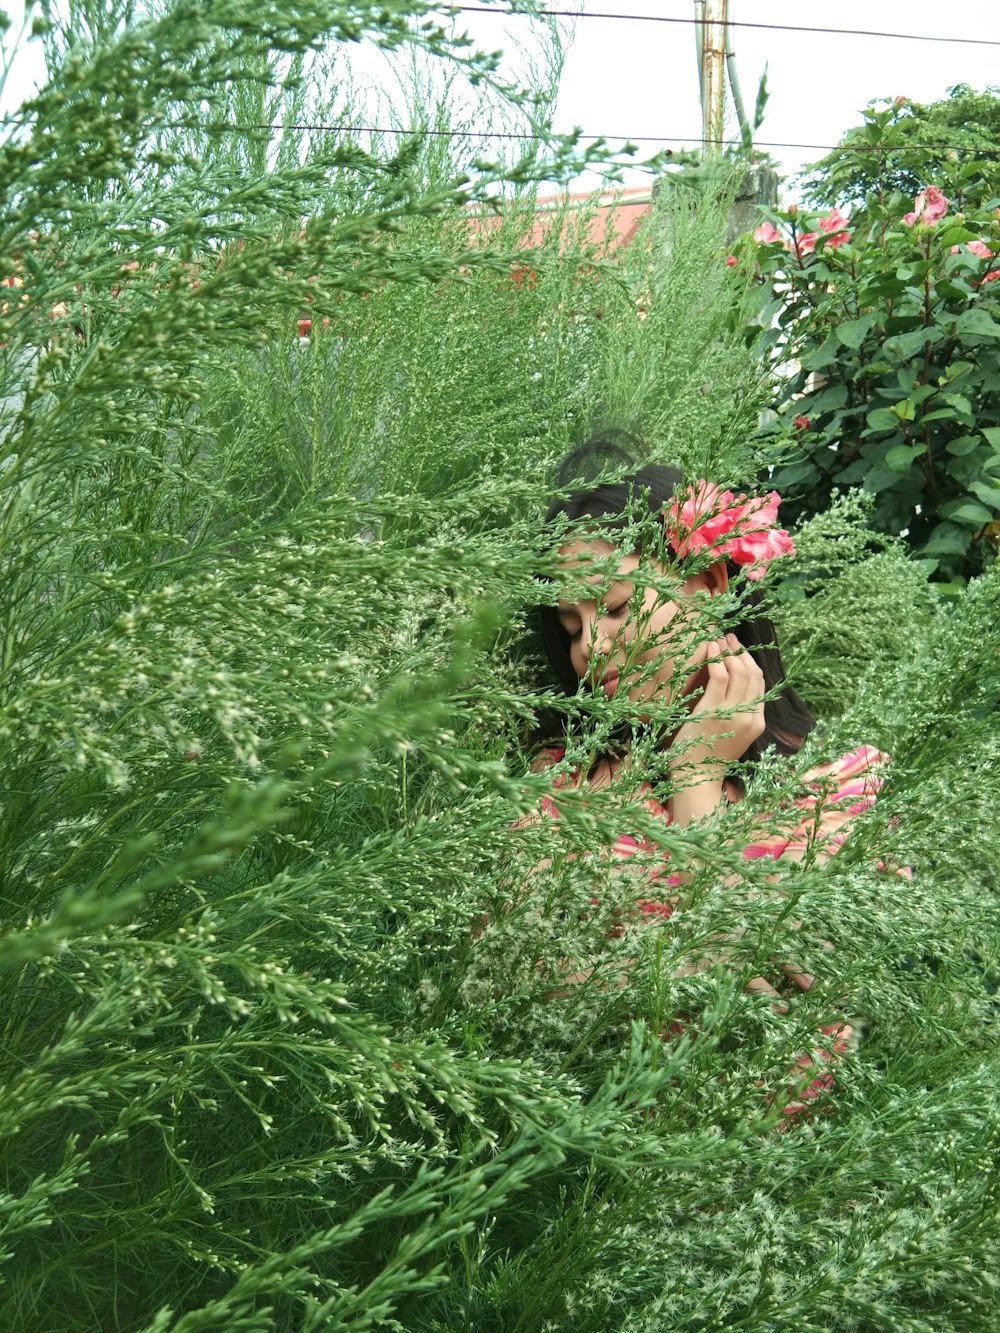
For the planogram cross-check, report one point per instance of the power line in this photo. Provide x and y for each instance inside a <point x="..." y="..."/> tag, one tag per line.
<point x="276" y="128"/>
<point x="729" y="23"/>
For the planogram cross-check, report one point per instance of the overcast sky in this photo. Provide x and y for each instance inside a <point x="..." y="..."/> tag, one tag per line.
<point x="641" y="78"/>
<point x="633" y="78"/>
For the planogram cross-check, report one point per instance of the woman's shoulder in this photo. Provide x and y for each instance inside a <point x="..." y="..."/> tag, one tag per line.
<point x="859" y="760"/>
<point x="859" y="772"/>
<point x="547" y="757"/>
<point x="826" y="799"/>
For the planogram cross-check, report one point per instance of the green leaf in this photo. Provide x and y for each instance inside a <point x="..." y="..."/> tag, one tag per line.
<point x="910" y="344"/>
<point x="900" y="456"/>
<point x="831" y="396"/>
<point x="880" y="477"/>
<point x="952" y="290"/>
<point x="960" y="403"/>
<point x="964" y="444"/>
<point x="820" y="357"/>
<point x="956" y="234"/>
<point x="880" y="418"/>
<point x="853" y="473"/>
<point x="969" y="512"/>
<point x="795" y="473"/>
<point x="989" y="493"/>
<point x="977" y="323"/>
<point x="992" y="434"/>
<point x="853" y="332"/>
<point x="770" y="309"/>
<point x="880" y="291"/>
<point x="947" y="539"/>
<point x="954" y="370"/>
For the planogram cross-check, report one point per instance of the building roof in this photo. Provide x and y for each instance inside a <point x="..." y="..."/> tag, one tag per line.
<point x="612" y="217"/>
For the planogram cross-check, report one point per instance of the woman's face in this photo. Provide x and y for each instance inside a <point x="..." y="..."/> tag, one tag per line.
<point x="625" y="638"/>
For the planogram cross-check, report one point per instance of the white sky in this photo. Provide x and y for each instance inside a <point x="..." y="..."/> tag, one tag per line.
<point x="626" y="78"/>
<point x="640" y="78"/>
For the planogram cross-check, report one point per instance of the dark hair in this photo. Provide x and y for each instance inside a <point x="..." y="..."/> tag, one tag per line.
<point x="612" y="506"/>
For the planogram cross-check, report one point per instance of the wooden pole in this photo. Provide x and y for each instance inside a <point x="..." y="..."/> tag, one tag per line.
<point x="713" y="78"/>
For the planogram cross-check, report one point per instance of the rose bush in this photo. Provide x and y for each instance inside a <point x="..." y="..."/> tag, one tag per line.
<point x="892" y="338"/>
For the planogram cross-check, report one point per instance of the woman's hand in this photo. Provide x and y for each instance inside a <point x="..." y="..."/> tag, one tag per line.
<point x="707" y="744"/>
<point x="734" y="680"/>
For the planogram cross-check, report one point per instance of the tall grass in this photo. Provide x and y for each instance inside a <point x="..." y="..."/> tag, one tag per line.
<point x="280" y="1046"/>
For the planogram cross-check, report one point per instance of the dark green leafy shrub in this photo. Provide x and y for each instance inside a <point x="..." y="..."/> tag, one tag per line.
<point x="893" y="384"/>
<point x="902" y="146"/>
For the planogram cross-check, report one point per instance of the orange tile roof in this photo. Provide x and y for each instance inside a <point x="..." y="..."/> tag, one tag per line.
<point x="613" y="215"/>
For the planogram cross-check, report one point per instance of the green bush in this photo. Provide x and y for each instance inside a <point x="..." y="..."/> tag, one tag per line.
<point x="893" y="379"/>
<point x="902" y="146"/>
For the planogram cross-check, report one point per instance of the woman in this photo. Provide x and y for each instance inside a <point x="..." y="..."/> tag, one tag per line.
<point x="645" y="560"/>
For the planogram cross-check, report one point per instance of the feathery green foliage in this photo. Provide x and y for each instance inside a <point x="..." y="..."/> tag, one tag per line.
<point x="281" y="1046"/>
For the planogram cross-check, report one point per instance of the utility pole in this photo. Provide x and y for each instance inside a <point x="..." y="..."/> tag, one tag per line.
<point x="710" y="18"/>
<point x="756" y="185"/>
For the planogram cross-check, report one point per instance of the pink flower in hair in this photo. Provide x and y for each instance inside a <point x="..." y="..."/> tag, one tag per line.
<point x="733" y="527"/>
<point x="757" y="549"/>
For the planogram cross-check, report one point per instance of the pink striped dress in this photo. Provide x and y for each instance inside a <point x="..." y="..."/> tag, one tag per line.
<point x="814" y="822"/>
<point x="832" y="796"/>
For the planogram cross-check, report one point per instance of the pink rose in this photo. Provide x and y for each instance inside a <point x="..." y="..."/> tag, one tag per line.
<point x="735" y="527"/>
<point x="835" y="225"/>
<point x="806" y="244"/>
<point x="767" y="234"/>
<point x="757" y="548"/>
<point x="929" y="206"/>
<point x="935" y="205"/>
<point x="834" y="221"/>
<point x="980" y="248"/>
<point x="702" y="517"/>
